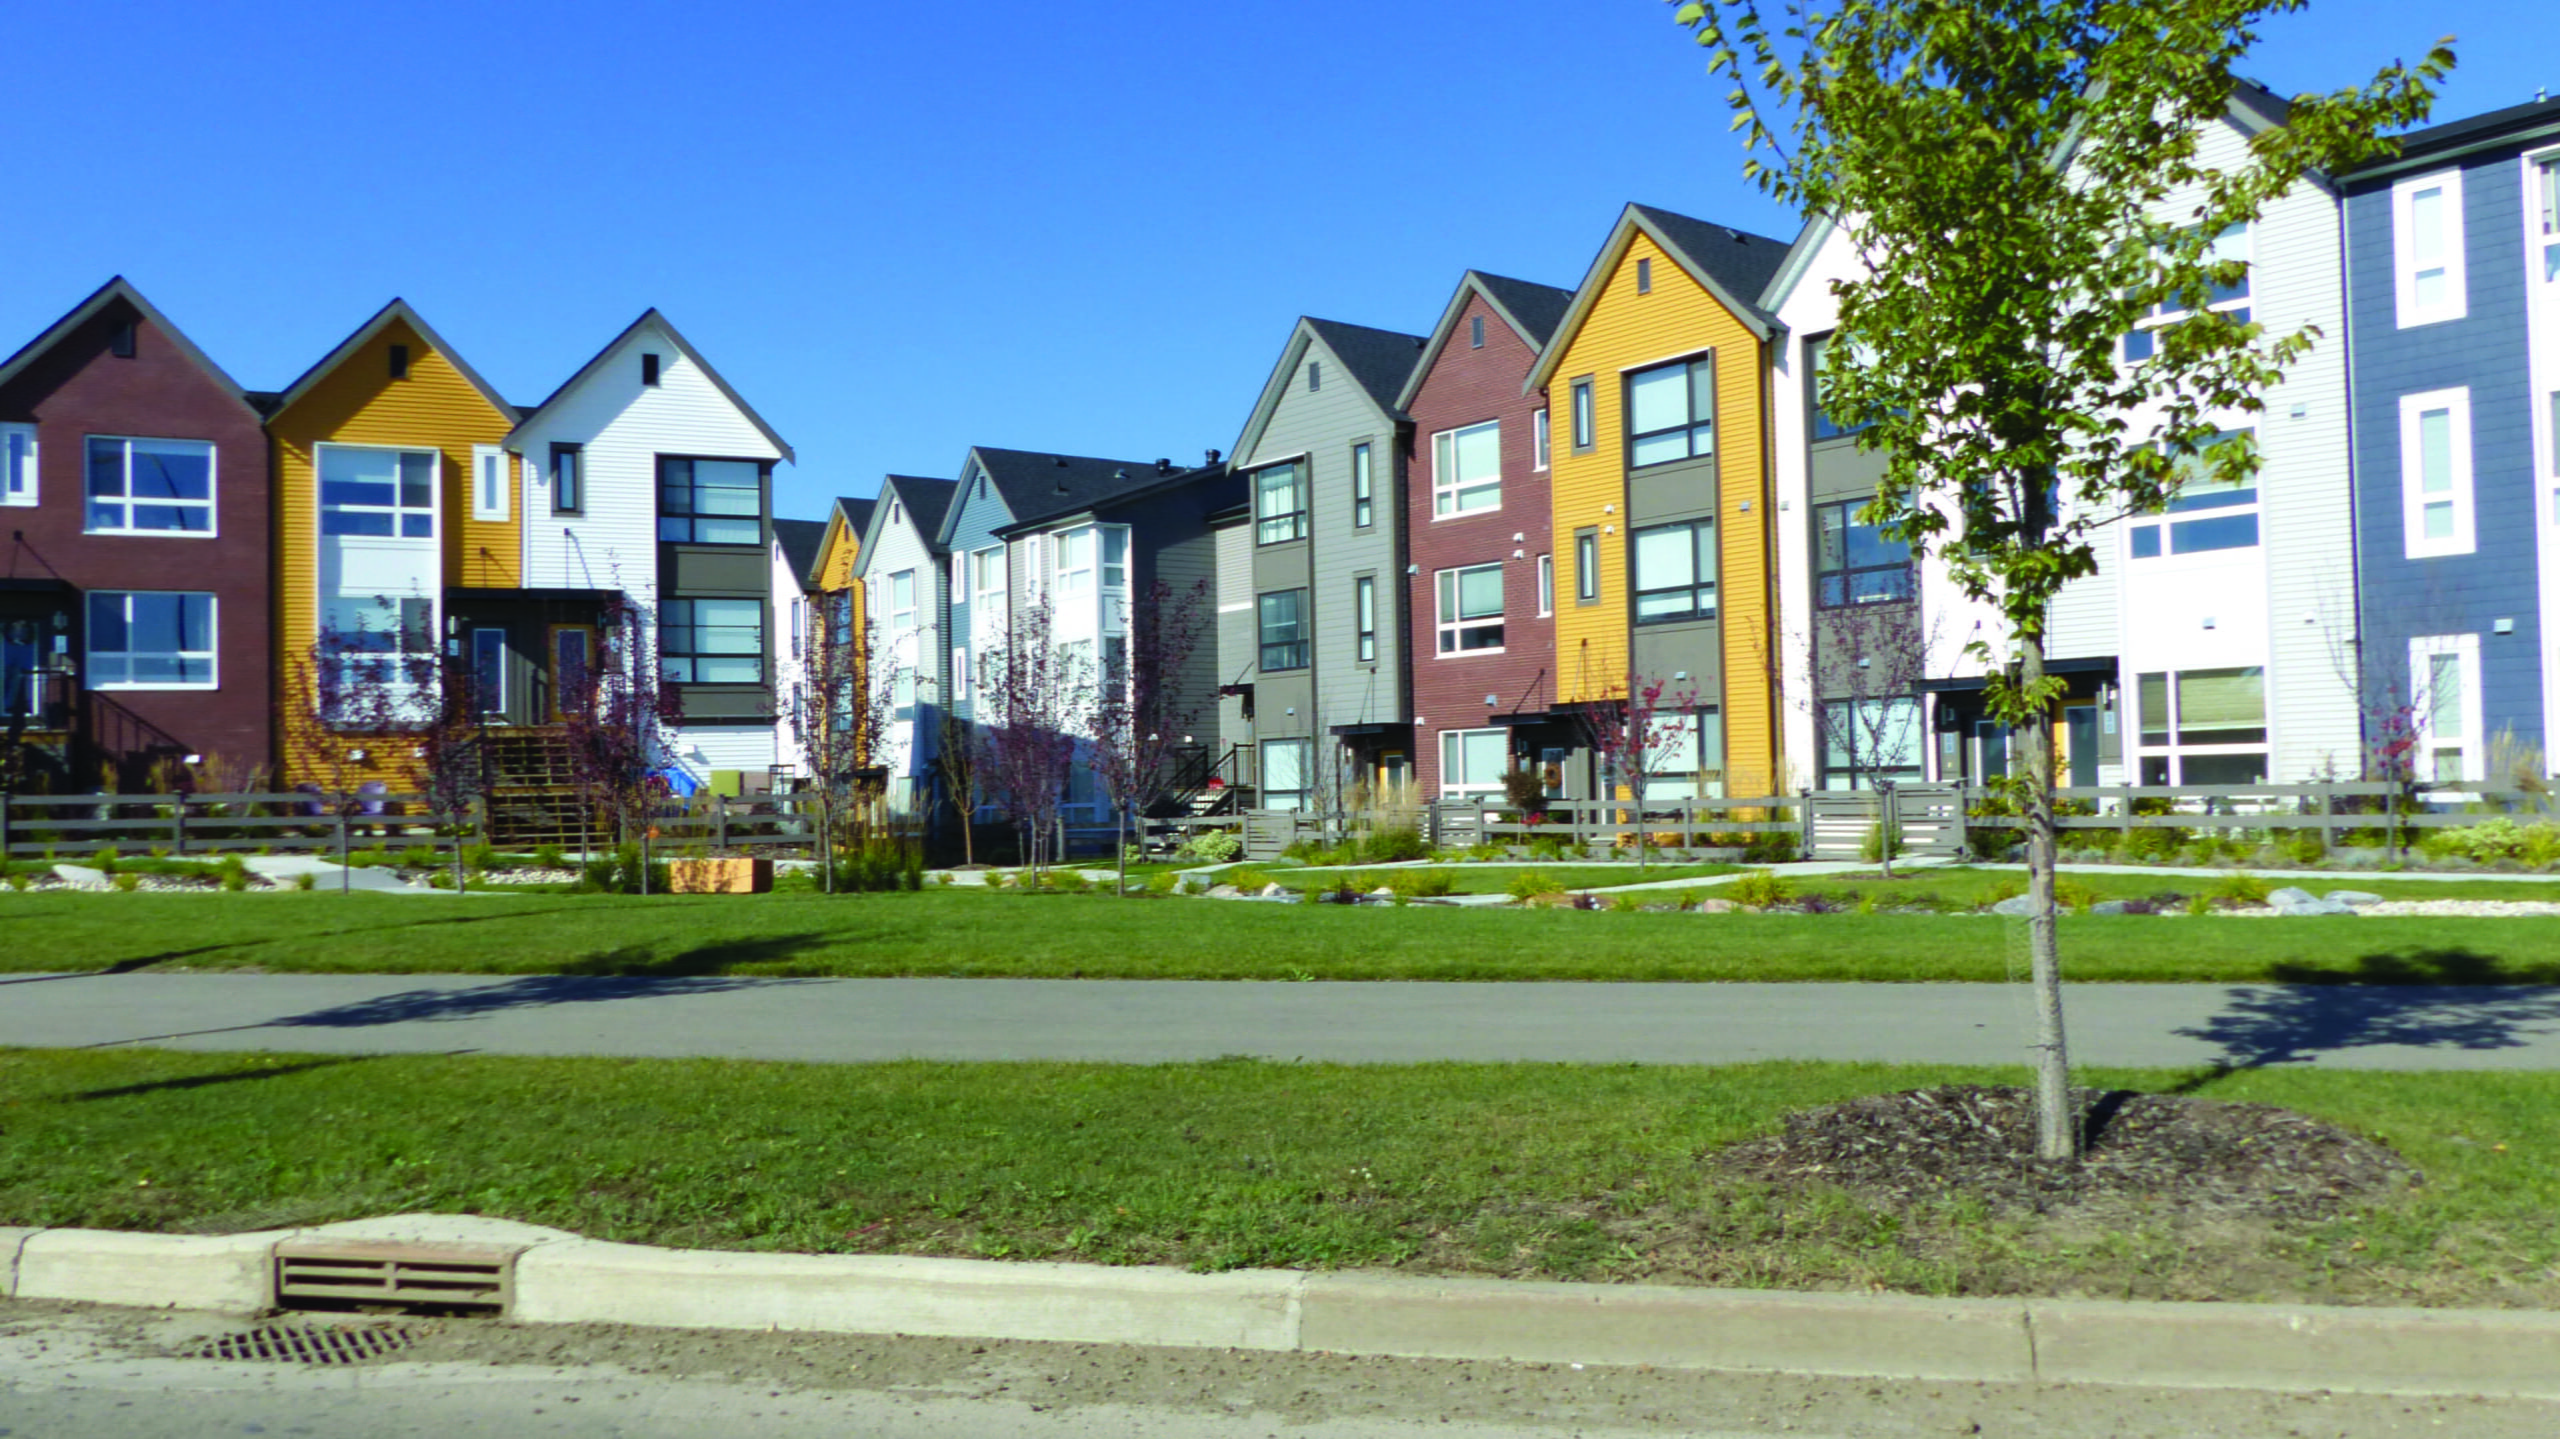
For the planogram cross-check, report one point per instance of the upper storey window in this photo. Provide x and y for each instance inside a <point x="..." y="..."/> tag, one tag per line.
<point x="2227" y="297"/>
<point x="149" y="487"/>
<point x="1279" y="503"/>
<point x="711" y="502"/>
<point x="17" y="464"/>
<point x="1671" y="412"/>
<point x="1818" y="361"/>
<point x="2546" y="194"/>
<point x="2428" y="284"/>
<point x="1466" y="470"/>
<point x="382" y="493"/>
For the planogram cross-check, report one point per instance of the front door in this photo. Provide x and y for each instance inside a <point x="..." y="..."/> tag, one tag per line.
<point x="489" y="671"/>
<point x="572" y="655"/>
<point x="2080" y="731"/>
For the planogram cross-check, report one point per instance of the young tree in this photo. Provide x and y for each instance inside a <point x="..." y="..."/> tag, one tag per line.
<point x="955" y="759"/>
<point x="2022" y="181"/>
<point x="380" y="702"/>
<point x="1147" y="702"/>
<point x="1632" y="735"/>
<point x="1034" y="696"/>
<point x="837" y="718"/>
<point x="617" y="717"/>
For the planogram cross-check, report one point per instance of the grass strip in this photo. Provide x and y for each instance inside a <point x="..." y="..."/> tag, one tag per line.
<point x="1528" y="1171"/>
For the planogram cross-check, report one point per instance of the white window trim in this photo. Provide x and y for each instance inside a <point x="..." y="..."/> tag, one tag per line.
<point x="2404" y="269"/>
<point x="2423" y="648"/>
<point x="1446" y="501"/>
<point x="960" y="675"/>
<point x="1446" y="627"/>
<point x="25" y="497"/>
<point x="1546" y="586"/>
<point x="899" y="628"/>
<point x="2464" y="540"/>
<point x="212" y="490"/>
<point x="1454" y="741"/>
<point x="435" y="503"/>
<point x="986" y="603"/>
<point x="1541" y="441"/>
<point x="481" y="508"/>
<point x="213" y="626"/>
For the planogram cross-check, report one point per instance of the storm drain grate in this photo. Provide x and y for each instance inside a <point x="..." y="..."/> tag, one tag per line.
<point x="312" y="1344"/>
<point x="379" y="1277"/>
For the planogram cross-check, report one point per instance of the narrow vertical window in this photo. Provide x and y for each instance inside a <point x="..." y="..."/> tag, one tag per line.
<point x="1546" y="585"/>
<point x="489" y="471"/>
<point x="568" y="495"/>
<point x="2435" y="474"/>
<point x="399" y="362"/>
<point x="1538" y="440"/>
<point x="2427" y="249"/>
<point x="1582" y="415"/>
<point x="1644" y="277"/>
<point x="1364" y="614"/>
<point x="1315" y="374"/>
<point x="1475" y="332"/>
<point x="1586" y="567"/>
<point x="489" y="670"/>
<point x="648" y="369"/>
<point x="1363" y="491"/>
<point x="120" y="344"/>
<point x="17" y="464"/>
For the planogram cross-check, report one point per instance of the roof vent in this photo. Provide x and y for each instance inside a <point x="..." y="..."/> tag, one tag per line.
<point x="1736" y="234"/>
<point x="1164" y="467"/>
<point x="1119" y="474"/>
<point x="1059" y="460"/>
<point x="1213" y="457"/>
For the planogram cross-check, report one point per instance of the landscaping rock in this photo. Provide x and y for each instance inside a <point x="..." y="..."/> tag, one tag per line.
<point x="2112" y="906"/>
<point x="1382" y="892"/>
<point x="2357" y="897"/>
<point x="2016" y="906"/>
<point x="79" y="874"/>
<point x="1715" y="906"/>
<point x="2310" y="906"/>
<point x="2288" y="897"/>
<point x="1275" y="890"/>
<point x="1225" y="891"/>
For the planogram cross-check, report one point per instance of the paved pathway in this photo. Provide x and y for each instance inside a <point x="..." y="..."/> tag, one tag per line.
<point x="850" y="1020"/>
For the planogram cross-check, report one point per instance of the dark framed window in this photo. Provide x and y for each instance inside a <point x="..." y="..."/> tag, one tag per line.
<point x="710" y="502"/>
<point x="1280" y="503"/>
<point x="1675" y="572"/>
<point x="711" y="642"/>
<point x="1671" y="412"/>
<point x="1364" y="616"/>
<point x="120" y="343"/>
<point x="2224" y="515"/>
<point x="1644" y="276"/>
<point x="399" y="362"/>
<point x="568" y="480"/>
<point x="1364" y="510"/>
<point x="1857" y="564"/>
<point x="648" y="369"/>
<point x="1475" y="332"/>
<point x="1315" y="374"/>
<point x="1817" y="364"/>
<point x="1283" y="616"/>
<point x="1586" y="567"/>
<point x="1584" y="428"/>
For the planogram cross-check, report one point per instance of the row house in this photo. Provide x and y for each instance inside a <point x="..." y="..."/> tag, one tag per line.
<point x="823" y="659"/>
<point x="2453" y="304"/>
<point x="795" y="605"/>
<point x="900" y="572"/>
<point x="1312" y="622"/>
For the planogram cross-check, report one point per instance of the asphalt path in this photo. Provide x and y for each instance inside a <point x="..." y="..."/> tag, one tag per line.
<point x="863" y="1020"/>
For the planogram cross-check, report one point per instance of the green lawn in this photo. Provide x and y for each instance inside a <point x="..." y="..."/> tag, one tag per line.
<point x="983" y="934"/>
<point x="1497" y="878"/>
<point x="1520" y="1170"/>
<point x="1965" y="887"/>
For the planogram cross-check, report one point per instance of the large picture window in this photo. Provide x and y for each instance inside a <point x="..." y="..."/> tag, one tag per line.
<point x="1868" y="740"/>
<point x="710" y="502"/>
<point x="1283" y="622"/>
<point x="378" y="493"/>
<point x="1687" y="755"/>
<point x="2224" y="513"/>
<point x="384" y="646"/>
<point x="1466" y="470"/>
<point x="1855" y="563"/>
<point x="141" y="640"/>
<point x="1472" y="761"/>
<point x="150" y="487"/>
<point x="711" y="642"/>
<point x="1288" y="773"/>
<point x="1675" y="572"/>
<point x="1279" y="504"/>
<point x="1470" y="609"/>
<point x="1671" y="412"/>
<point x="2202" y="726"/>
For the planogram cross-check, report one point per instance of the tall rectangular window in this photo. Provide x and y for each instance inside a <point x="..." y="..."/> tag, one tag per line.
<point x="1538" y="440"/>
<point x="1074" y="553"/>
<point x="1585" y="426"/>
<point x="379" y="493"/>
<point x="2435" y="474"/>
<point x="1586" y="567"/>
<point x="1546" y="585"/>
<point x="1283" y="622"/>
<point x="1279" y="503"/>
<point x="2444" y="695"/>
<point x="1472" y="761"/>
<point x="17" y="464"/>
<point x="711" y="502"/>
<point x="1475" y="332"/>
<point x="986" y="587"/>
<point x="568" y="480"/>
<point x="1288" y="773"/>
<point x="960" y="676"/>
<point x="2546" y="194"/>
<point x="1466" y="470"/>
<point x="1364" y="616"/>
<point x="1671" y="412"/>
<point x="375" y="641"/>
<point x="1856" y="564"/>
<point x="2202" y="726"/>
<point x="902" y="603"/>
<point x="1115" y="559"/>
<point x="1364" y="511"/>
<point x="1865" y="741"/>
<point x="150" y="641"/>
<point x="2428" y="283"/>
<point x="1687" y="755"/>
<point x="1675" y="572"/>
<point x="1818" y="360"/>
<point x="150" y="487"/>
<point x="490" y="471"/>
<point x="711" y="642"/>
<point x="2225" y="513"/>
<point x="489" y="669"/>
<point x="1644" y="276"/>
<point x="1470" y="609"/>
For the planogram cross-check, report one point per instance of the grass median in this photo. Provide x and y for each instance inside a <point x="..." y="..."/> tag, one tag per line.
<point x="977" y="934"/>
<point x="1526" y="1171"/>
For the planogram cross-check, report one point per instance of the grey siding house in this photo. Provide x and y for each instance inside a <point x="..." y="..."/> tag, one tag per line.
<point x="1321" y="701"/>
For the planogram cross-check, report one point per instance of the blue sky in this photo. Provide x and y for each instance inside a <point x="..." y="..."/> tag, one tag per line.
<point x="901" y="230"/>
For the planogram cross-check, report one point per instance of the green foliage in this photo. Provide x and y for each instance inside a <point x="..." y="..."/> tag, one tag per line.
<point x="105" y="859"/>
<point x="1883" y="842"/>
<point x="550" y="856"/>
<point x="1210" y="846"/>
<point x="479" y="859"/>
<point x="1393" y="846"/>
<point x="127" y="882"/>
<point x="2304" y="848"/>
<point x="378" y="857"/>
<point x="1626" y="904"/>
<point x="621" y="872"/>
<point x="1761" y="889"/>
<point x="1547" y="846"/>
<point x="2201" y="904"/>
<point x="946" y="879"/>
<point x="232" y="872"/>
<point x="1532" y="884"/>
<point x="2073" y="894"/>
<point x="2242" y="889"/>
<point x="1163" y="881"/>
<point x="1422" y="883"/>
<point x="879" y="866"/>
<point x="19" y="881"/>
<point x="1251" y="881"/>
<point x="1483" y="850"/>
<point x="306" y="881"/>
<point x="2499" y="840"/>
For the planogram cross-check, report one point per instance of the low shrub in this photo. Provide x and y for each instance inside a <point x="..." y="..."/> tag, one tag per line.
<point x="1547" y="846"/>
<point x="2242" y="889"/>
<point x="479" y="859"/>
<point x="622" y="872"/>
<point x="1883" y="842"/>
<point x="879" y="866"/>
<point x="106" y="859"/>
<point x="2073" y="894"/>
<point x="1422" y="883"/>
<point x="2500" y="839"/>
<point x="1761" y="889"/>
<point x="1626" y="904"/>
<point x="1529" y="884"/>
<point x="1251" y="881"/>
<point x="1161" y="882"/>
<point x="1211" y="846"/>
<point x="1393" y="846"/>
<point x="2200" y="905"/>
<point x="232" y="872"/>
<point x="127" y="882"/>
<point x="550" y="856"/>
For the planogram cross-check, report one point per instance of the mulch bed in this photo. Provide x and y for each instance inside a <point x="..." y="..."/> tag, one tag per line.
<point x="2165" y="1153"/>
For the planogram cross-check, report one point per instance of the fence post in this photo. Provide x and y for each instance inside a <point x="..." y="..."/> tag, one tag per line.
<point x="178" y="827"/>
<point x="1804" y="822"/>
<point x="720" y="824"/>
<point x="345" y="880"/>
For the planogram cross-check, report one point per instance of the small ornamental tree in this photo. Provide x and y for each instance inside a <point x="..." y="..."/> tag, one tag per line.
<point x="1867" y="710"/>
<point x="616" y="717"/>
<point x="385" y="692"/>
<point x="2024" y="186"/>
<point x="1631" y="736"/>
<point x="956" y="759"/>
<point x="1146" y="704"/>
<point x="837" y="718"/>
<point x="1033" y="697"/>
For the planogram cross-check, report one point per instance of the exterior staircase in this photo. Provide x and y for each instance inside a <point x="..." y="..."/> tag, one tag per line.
<point x="533" y="788"/>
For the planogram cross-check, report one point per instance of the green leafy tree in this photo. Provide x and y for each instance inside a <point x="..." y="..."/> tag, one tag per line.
<point x="2024" y="185"/>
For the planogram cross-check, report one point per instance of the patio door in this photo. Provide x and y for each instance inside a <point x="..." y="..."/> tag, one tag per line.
<point x="572" y="652"/>
<point x="489" y="670"/>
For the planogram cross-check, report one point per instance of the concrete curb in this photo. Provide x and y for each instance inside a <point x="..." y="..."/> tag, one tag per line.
<point x="561" y="1279"/>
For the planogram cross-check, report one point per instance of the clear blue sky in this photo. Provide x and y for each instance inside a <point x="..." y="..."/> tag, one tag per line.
<point x="904" y="229"/>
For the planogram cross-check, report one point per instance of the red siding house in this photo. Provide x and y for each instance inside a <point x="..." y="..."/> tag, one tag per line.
<point x="1482" y="573"/>
<point x="134" y="630"/>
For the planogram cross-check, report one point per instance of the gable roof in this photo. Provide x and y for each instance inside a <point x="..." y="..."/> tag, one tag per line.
<point x="1530" y="309"/>
<point x="1379" y="361"/>
<point x="847" y="514"/>
<point x="800" y="541"/>
<point x="1791" y="271"/>
<point x="118" y="288"/>
<point x="652" y="316"/>
<point x="1035" y="485"/>
<point x="2516" y="124"/>
<point x="1734" y="266"/>
<point x="397" y="311"/>
<point x="926" y="500"/>
<point x="1151" y="485"/>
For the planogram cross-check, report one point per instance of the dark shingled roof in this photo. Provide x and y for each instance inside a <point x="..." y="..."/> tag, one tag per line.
<point x="1538" y="307"/>
<point x="800" y="540"/>
<point x="926" y="499"/>
<point x="1743" y="263"/>
<point x="2455" y="132"/>
<point x="1379" y="359"/>
<point x="1037" y="485"/>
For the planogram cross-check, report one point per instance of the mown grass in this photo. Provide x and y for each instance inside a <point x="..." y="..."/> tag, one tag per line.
<point x="1957" y="888"/>
<point x="1519" y="1170"/>
<point x="976" y="933"/>
<point x="1496" y="878"/>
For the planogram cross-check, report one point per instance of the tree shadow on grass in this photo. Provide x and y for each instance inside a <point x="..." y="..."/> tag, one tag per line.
<point x="2420" y="999"/>
<point x="201" y="1081"/>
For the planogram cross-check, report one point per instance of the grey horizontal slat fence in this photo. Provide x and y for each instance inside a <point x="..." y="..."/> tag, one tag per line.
<point x="202" y="824"/>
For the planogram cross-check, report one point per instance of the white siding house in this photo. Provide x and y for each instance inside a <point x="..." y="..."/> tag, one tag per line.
<point x="904" y="587"/>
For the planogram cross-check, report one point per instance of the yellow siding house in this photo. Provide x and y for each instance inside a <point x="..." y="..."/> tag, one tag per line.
<point x="1657" y="381"/>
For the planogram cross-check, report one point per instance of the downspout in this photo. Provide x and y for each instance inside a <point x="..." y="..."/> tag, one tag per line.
<point x="2355" y="497"/>
<point x="1773" y="662"/>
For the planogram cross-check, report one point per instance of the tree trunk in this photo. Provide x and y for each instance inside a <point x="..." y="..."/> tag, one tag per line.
<point x="1120" y="842"/>
<point x="2057" y="1123"/>
<point x="1887" y="835"/>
